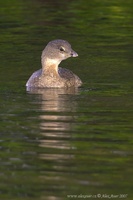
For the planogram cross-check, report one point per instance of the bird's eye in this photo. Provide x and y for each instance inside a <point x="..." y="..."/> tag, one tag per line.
<point x="62" y="49"/>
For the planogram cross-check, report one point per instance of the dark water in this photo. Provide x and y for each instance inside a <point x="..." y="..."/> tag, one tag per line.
<point x="67" y="144"/>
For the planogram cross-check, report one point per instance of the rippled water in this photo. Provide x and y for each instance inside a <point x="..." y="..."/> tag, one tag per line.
<point x="75" y="143"/>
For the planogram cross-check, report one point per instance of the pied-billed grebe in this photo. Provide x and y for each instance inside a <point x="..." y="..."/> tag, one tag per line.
<point x="52" y="76"/>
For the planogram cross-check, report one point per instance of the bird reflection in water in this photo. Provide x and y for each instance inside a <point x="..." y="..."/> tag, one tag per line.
<point x="58" y="107"/>
<point x="57" y="118"/>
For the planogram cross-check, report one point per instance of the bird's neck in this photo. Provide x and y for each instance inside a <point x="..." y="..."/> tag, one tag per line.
<point x="50" y="66"/>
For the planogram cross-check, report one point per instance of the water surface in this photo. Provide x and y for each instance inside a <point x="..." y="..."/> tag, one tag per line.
<point x="56" y="143"/>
